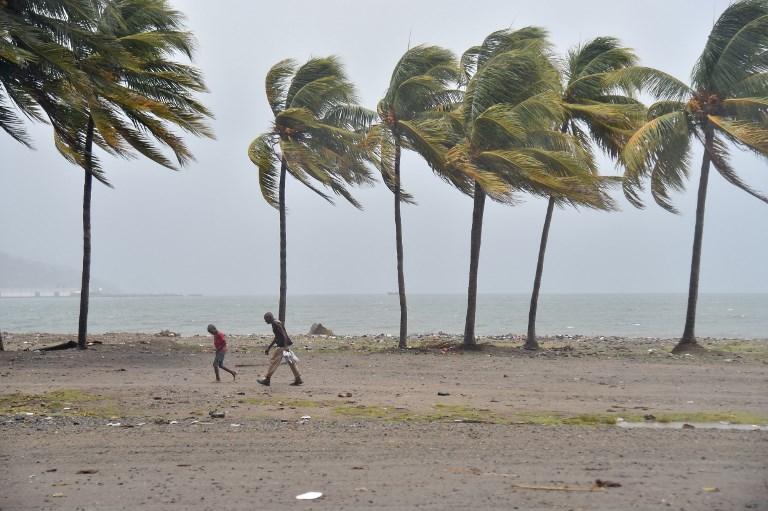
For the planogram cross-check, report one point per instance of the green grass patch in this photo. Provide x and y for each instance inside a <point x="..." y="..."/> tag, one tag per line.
<point x="584" y="419"/>
<point x="76" y="402"/>
<point x="747" y="347"/>
<point x="441" y="413"/>
<point x="732" y="417"/>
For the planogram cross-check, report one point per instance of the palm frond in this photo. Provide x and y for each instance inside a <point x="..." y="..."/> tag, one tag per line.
<point x="752" y="109"/>
<point x="659" y="84"/>
<point x="665" y="107"/>
<point x="718" y="155"/>
<point x="735" y="47"/>
<point x="746" y="133"/>
<point x="660" y="149"/>
<point x="261" y="152"/>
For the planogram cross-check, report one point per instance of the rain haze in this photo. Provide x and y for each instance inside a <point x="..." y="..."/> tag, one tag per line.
<point x="206" y="229"/>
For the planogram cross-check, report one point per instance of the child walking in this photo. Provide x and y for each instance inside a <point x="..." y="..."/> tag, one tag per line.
<point x="220" y="343"/>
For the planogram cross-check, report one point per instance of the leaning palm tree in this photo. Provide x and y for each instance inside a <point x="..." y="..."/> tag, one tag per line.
<point x="505" y="136"/>
<point x="727" y="103"/>
<point x="316" y="136"/>
<point x="601" y="111"/>
<point x="128" y="94"/>
<point x="420" y="84"/>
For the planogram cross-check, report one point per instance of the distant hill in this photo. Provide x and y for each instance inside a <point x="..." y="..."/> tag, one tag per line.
<point x="20" y="273"/>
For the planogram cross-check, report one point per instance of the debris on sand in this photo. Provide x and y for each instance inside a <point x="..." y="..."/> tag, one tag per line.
<point x="217" y="415"/>
<point x="167" y="333"/>
<point x="62" y="346"/>
<point x="310" y="495"/>
<point x="604" y="483"/>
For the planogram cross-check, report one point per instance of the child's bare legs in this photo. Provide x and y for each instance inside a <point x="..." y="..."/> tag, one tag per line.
<point x="230" y="371"/>
<point x="218" y="362"/>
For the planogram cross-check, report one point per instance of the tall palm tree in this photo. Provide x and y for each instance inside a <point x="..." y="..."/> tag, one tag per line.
<point x="316" y="136"/>
<point x="129" y="94"/>
<point x="727" y="103"/>
<point x="505" y="134"/>
<point x="420" y="84"/>
<point x="600" y="110"/>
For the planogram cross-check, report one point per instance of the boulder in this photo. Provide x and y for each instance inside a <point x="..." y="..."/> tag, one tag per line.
<point x="319" y="329"/>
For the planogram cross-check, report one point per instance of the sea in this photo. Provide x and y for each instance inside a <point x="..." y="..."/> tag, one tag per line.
<point x="742" y="316"/>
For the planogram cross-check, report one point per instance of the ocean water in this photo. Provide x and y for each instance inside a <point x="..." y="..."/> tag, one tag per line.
<point x="635" y="315"/>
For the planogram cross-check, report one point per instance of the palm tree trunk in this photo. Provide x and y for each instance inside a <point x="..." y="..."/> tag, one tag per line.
<point x="82" y="329"/>
<point x="688" y="341"/>
<point x="283" y="250"/>
<point x="2" y="346"/>
<point x="474" y="260"/>
<point x="403" y="343"/>
<point x="530" y="341"/>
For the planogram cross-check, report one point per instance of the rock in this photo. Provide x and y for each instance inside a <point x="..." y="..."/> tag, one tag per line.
<point x="166" y="333"/>
<point x="688" y="426"/>
<point x="319" y="329"/>
<point x="441" y="393"/>
<point x="649" y="417"/>
<point x="217" y="415"/>
<point x="604" y="483"/>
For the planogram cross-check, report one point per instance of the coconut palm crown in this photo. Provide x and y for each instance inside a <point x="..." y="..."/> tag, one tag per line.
<point x="726" y="105"/>
<point x="36" y="37"/>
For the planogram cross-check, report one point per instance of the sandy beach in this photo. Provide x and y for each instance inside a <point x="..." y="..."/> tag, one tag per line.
<point x="126" y="424"/>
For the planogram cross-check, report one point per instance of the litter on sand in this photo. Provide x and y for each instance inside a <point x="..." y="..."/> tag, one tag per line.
<point x="310" y="495"/>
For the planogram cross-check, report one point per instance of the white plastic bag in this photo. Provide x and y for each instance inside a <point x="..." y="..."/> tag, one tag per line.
<point x="289" y="357"/>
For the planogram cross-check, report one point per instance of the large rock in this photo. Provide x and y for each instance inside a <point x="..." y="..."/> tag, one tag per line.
<point x="319" y="329"/>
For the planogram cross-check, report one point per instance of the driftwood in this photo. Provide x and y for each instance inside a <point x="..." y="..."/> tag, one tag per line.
<point x="554" y="488"/>
<point x="63" y="346"/>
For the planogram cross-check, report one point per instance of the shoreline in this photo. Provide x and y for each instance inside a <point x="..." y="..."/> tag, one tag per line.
<point x="571" y="345"/>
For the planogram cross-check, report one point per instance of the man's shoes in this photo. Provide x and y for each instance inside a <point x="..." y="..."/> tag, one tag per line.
<point x="297" y="382"/>
<point x="263" y="381"/>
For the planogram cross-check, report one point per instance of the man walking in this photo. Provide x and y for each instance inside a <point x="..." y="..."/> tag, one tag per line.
<point x="283" y="343"/>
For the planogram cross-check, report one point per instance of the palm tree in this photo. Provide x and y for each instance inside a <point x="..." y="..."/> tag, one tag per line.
<point x="317" y="136"/>
<point x="598" y="110"/>
<point x="727" y="103"/>
<point x="419" y="85"/>
<point x="129" y="92"/>
<point x="504" y="134"/>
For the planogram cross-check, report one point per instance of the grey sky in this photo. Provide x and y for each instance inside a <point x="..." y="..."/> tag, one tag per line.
<point x="206" y="229"/>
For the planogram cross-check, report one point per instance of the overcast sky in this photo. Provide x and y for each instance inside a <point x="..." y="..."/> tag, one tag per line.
<point x="207" y="229"/>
